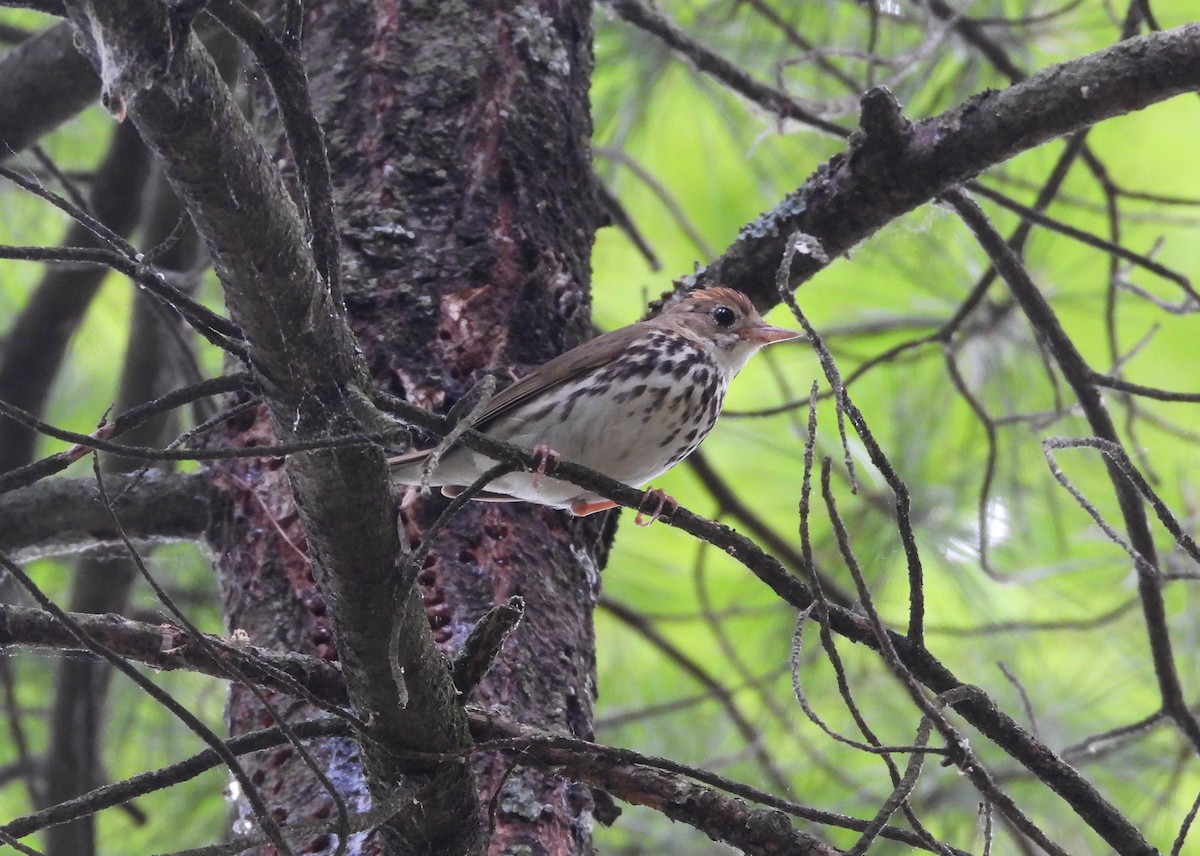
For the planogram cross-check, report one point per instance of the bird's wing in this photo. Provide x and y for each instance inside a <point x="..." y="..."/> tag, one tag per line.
<point x="565" y="367"/>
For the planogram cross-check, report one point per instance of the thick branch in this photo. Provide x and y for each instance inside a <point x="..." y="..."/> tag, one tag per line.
<point x="58" y="516"/>
<point x="167" y="647"/>
<point x="44" y="82"/>
<point x="893" y="167"/>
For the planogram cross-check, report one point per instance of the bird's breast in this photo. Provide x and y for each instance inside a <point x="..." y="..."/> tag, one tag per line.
<point x="632" y="418"/>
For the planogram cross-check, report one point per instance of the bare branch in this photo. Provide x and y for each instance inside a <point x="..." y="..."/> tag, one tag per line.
<point x="883" y="177"/>
<point x="63" y="515"/>
<point x="1079" y="376"/>
<point x="44" y="81"/>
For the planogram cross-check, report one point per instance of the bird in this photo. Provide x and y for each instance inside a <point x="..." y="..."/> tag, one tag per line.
<point x="631" y="403"/>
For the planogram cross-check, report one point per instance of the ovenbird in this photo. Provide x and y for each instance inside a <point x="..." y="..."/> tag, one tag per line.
<point x="630" y="403"/>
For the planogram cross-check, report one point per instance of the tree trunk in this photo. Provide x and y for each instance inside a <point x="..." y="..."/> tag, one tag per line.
<point x="458" y="139"/>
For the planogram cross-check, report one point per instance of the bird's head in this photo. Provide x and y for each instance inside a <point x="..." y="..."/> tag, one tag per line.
<point x="725" y="323"/>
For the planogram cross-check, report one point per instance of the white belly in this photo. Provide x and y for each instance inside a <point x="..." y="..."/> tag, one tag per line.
<point x="633" y="430"/>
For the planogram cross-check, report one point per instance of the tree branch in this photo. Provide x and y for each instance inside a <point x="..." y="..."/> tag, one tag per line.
<point x="166" y="647"/>
<point x="36" y="343"/>
<point x="885" y="175"/>
<point x="44" y="81"/>
<point x="1080" y="376"/>
<point x="65" y="516"/>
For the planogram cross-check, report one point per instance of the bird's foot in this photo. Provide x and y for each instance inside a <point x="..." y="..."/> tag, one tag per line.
<point x="548" y="459"/>
<point x="662" y="501"/>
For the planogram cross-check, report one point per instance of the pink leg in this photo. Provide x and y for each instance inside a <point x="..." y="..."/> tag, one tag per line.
<point x="663" y="501"/>
<point x="582" y="508"/>
<point x="547" y="459"/>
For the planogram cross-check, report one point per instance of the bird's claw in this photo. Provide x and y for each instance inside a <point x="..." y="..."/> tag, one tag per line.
<point x="547" y="459"/>
<point x="663" y="500"/>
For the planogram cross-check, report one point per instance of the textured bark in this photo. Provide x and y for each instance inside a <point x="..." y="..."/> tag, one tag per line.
<point x="269" y="591"/>
<point x="458" y="141"/>
<point x="465" y="187"/>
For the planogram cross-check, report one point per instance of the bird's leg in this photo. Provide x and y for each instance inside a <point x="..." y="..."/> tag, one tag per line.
<point x="547" y="459"/>
<point x="582" y="508"/>
<point x="664" y="499"/>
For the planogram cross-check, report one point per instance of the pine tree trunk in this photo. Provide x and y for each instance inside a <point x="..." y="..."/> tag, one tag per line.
<point x="458" y="139"/>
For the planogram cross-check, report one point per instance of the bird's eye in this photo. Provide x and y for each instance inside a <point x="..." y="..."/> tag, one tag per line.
<point x="724" y="316"/>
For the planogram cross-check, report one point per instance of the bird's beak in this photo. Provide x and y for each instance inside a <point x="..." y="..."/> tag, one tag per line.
<point x="766" y="334"/>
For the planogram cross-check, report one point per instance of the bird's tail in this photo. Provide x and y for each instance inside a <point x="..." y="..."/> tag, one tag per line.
<point x="407" y="468"/>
